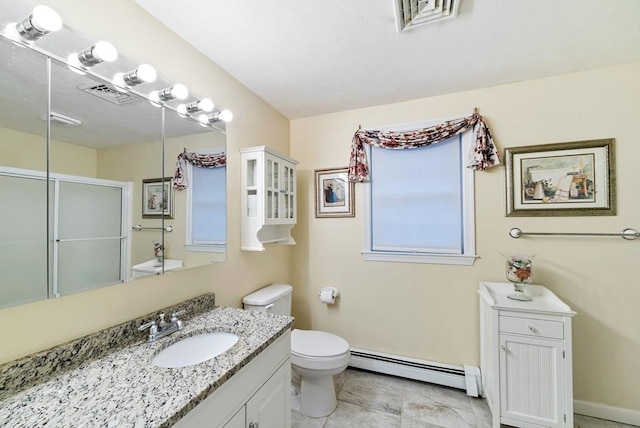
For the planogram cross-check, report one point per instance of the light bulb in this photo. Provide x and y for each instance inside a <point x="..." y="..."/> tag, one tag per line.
<point x="45" y="19"/>
<point x="100" y="52"/>
<point x="179" y="91"/>
<point x="143" y="74"/>
<point x="154" y="96"/>
<point x="205" y="105"/>
<point x="225" y="116"/>
<point x="74" y="64"/>
<point x="182" y="110"/>
<point x="105" y="51"/>
<point x="146" y="73"/>
<point x="203" y="119"/>
<point x="119" y="83"/>
<point x="39" y="23"/>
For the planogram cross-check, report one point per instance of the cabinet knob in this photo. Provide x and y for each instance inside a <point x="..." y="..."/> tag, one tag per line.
<point x="532" y="329"/>
<point x="254" y="425"/>
<point x="504" y="348"/>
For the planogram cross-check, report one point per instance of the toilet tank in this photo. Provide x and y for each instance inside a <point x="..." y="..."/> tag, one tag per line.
<point x="275" y="298"/>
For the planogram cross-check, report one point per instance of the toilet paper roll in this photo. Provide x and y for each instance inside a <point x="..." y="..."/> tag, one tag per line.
<point x="328" y="295"/>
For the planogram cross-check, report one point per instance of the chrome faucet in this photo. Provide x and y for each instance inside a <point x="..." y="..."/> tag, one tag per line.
<point x="162" y="328"/>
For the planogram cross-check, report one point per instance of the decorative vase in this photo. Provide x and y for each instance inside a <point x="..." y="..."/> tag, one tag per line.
<point x="518" y="272"/>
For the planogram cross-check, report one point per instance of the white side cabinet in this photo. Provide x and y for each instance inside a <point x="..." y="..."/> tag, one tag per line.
<point x="525" y="357"/>
<point x="258" y="396"/>
<point x="268" y="198"/>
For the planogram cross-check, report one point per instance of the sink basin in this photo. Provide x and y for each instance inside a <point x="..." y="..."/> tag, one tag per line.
<point x="195" y="349"/>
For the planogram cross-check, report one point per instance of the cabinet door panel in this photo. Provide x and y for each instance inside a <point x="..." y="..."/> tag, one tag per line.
<point x="270" y="407"/>
<point x="531" y="380"/>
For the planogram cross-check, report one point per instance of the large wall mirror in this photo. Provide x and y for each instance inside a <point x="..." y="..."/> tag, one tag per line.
<point x="107" y="213"/>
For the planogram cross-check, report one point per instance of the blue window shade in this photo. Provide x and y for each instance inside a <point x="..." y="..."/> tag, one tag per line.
<point x="208" y="206"/>
<point x="416" y="199"/>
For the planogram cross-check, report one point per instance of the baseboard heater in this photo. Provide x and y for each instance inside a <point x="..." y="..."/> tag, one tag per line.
<point x="465" y="377"/>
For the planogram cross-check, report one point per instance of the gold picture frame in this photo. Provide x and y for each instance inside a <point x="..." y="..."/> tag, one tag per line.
<point x="563" y="179"/>
<point x="157" y="198"/>
<point x="334" y="193"/>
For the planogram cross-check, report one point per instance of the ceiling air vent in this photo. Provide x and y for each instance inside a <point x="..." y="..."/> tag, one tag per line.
<point x="411" y="13"/>
<point x="109" y="93"/>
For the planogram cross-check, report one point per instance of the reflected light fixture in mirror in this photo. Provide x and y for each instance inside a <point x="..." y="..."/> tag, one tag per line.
<point x="177" y="91"/>
<point x="100" y="52"/>
<point x="40" y="22"/>
<point x="145" y="73"/>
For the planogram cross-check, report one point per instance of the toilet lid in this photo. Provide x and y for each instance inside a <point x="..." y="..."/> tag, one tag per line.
<point x="313" y="343"/>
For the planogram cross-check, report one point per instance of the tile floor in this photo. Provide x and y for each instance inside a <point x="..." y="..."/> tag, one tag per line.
<point x="368" y="400"/>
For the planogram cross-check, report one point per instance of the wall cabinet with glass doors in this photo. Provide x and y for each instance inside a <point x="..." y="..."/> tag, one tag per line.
<point x="268" y="198"/>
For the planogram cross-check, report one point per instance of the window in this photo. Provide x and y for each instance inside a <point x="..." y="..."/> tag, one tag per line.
<point x="419" y="203"/>
<point x="206" y="208"/>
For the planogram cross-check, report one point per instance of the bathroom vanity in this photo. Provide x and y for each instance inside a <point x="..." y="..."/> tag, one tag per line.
<point x="108" y="379"/>
<point x="525" y="357"/>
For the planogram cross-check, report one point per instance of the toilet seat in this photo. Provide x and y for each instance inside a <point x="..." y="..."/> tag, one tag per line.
<point x="318" y="350"/>
<point x="317" y="344"/>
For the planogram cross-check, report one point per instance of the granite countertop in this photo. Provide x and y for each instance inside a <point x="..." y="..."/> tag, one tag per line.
<point x="123" y="389"/>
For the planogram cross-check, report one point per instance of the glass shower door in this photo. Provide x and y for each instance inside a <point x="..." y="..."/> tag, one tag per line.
<point x="23" y="243"/>
<point x="88" y="237"/>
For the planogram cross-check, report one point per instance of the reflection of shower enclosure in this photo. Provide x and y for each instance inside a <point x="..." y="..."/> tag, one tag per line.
<point x="88" y="230"/>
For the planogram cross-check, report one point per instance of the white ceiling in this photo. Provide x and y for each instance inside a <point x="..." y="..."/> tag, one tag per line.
<point x="310" y="57"/>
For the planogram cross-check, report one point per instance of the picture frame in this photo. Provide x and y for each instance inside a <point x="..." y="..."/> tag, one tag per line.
<point x="157" y="198"/>
<point x="561" y="179"/>
<point x="334" y="193"/>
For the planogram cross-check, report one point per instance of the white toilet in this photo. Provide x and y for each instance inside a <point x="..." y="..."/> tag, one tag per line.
<point x="316" y="356"/>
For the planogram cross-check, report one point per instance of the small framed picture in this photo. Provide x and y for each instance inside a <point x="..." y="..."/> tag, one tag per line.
<point x="334" y="193"/>
<point x="157" y="198"/>
<point x="562" y="179"/>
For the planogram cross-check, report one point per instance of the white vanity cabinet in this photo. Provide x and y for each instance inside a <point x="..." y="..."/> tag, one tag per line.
<point x="258" y="396"/>
<point x="525" y="357"/>
<point x="268" y="197"/>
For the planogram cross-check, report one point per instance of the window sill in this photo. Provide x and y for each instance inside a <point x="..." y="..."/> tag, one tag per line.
<point x="214" y="248"/>
<point x="440" y="259"/>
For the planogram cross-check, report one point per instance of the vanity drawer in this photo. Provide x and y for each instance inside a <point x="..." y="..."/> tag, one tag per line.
<point x="532" y="327"/>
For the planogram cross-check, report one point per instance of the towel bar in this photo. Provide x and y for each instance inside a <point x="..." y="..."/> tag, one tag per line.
<point x="628" y="233"/>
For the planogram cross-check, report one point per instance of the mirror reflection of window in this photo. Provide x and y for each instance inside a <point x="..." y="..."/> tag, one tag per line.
<point x="206" y="208"/>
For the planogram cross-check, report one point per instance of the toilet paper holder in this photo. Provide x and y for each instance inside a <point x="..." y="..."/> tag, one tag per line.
<point x="328" y="294"/>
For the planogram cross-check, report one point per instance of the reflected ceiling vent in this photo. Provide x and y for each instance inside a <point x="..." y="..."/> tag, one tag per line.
<point x="61" y="119"/>
<point x="108" y="93"/>
<point x="412" y="13"/>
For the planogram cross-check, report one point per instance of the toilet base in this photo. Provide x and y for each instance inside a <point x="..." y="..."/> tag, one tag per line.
<point x="317" y="397"/>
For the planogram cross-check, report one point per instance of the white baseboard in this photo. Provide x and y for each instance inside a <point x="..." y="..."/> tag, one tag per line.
<point x="465" y="377"/>
<point x="602" y="411"/>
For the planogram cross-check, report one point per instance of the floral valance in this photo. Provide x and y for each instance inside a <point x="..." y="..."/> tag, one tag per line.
<point x="180" y="180"/>
<point x="483" y="156"/>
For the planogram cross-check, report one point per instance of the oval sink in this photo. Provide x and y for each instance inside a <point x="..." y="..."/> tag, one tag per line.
<point x="194" y="350"/>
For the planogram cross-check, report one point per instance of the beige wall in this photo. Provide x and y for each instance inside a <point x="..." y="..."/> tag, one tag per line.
<point x="29" y="151"/>
<point x="29" y="328"/>
<point x="431" y="311"/>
